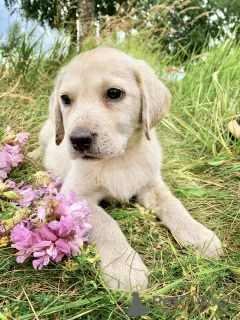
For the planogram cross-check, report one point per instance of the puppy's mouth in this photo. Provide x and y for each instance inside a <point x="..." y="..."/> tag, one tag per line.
<point x="89" y="157"/>
<point x="86" y="155"/>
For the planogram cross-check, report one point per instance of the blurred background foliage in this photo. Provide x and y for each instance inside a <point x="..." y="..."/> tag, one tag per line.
<point x="179" y="25"/>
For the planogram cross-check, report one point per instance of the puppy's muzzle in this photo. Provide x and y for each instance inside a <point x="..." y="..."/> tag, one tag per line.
<point x="82" y="140"/>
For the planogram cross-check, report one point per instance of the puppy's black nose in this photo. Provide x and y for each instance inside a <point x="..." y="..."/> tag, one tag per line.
<point x="81" y="140"/>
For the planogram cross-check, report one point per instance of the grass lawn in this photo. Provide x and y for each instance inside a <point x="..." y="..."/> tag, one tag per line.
<point x="202" y="168"/>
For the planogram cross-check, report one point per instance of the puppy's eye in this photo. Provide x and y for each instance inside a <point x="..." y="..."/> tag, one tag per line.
<point x="66" y="100"/>
<point x="114" y="93"/>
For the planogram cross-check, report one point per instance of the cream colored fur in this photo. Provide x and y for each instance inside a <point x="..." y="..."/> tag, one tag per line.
<point x="128" y="152"/>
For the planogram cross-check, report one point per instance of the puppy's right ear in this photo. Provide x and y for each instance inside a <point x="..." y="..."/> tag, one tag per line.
<point x="55" y="111"/>
<point x="156" y="98"/>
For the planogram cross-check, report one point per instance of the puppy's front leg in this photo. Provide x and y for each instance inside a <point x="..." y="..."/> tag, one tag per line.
<point x="122" y="266"/>
<point x="45" y="135"/>
<point x="173" y="214"/>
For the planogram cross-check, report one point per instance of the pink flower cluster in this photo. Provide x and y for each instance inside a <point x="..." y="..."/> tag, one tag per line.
<point x="11" y="152"/>
<point x="59" y="230"/>
<point x="27" y="194"/>
<point x="56" y="224"/>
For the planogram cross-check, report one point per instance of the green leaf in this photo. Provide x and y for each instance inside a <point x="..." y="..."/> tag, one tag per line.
<point x="197" y="192"/>
<point x="216" y="163"/>
<point x="65" y="306"/>
<point x="11" y="195"/>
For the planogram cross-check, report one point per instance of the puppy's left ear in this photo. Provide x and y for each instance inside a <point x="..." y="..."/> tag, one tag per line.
<point x="156" y="98"/>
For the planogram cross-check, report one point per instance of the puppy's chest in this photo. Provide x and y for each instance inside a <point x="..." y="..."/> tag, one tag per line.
<point x="123" y="182"/>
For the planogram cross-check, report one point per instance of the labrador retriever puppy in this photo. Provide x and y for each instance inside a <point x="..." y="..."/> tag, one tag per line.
<point x="100" y="140"/>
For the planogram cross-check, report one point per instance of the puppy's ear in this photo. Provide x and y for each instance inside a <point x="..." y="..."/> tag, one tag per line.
<point x="156" y="98"/>
<point x="55" y="111"/>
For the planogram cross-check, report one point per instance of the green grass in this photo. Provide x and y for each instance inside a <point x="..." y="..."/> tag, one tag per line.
<point x="202" y="168"/>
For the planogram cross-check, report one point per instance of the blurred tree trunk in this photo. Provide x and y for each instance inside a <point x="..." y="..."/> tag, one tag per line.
<point x="85" y="20"/>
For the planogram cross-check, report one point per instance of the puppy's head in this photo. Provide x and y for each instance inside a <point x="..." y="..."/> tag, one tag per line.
<point x="102" y="100"/>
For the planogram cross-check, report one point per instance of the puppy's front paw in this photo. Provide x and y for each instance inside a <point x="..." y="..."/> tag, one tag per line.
<point x="125" y="272"/>
<point x="204" y="240"/>
<point x="35" y="154"/>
